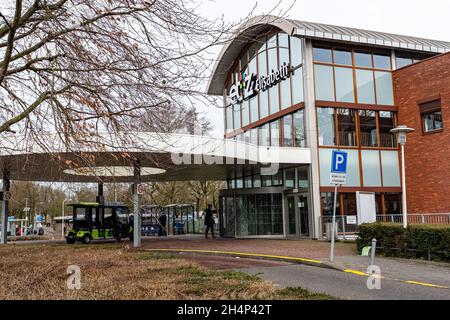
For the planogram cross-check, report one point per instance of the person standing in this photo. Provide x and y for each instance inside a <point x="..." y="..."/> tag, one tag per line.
<point x="162" y="225"/>
<point x="209" y="221"/>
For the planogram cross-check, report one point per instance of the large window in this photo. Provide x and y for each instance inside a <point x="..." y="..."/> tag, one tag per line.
<point x="338" y="72"/>
<point x="373" y="126"/>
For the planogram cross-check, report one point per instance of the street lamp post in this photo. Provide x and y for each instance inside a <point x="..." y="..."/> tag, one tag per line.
<point x="62" y="216"/>
<point x="401" y="132"/>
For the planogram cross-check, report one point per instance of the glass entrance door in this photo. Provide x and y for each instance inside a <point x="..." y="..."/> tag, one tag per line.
<point x="298" y="216"/>
<point x="303" y="215"/>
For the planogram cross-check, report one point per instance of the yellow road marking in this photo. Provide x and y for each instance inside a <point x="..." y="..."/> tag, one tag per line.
<point x="426" y="284"/>
<point x="358" y="273"/>
<point x="240" y="254"/>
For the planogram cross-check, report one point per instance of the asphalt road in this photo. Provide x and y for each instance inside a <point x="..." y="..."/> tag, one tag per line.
<point x="344" y="285"/>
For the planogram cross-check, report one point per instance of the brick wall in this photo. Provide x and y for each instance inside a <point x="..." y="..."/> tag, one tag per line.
<point x="427" y="155"/>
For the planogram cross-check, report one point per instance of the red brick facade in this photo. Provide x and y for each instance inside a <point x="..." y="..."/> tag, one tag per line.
<point x="427" y="155"/>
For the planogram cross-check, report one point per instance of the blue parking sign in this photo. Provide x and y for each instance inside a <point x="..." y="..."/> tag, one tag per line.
<point x="339" y="162"/>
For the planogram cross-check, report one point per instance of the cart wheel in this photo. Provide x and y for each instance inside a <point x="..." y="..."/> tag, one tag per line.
<point x="86" y="239"/>
<point x="70" y="241"/>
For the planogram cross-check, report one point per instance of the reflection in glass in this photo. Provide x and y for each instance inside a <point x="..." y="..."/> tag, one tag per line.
<point x="302" y="177"/>
<point x="344" y="85"/>
<point x="368" y="128"/>
<point x="264" y="136"/>
<point x="285" y="85"/>
<point x="403" y="62"/>
<point x="322" y="55"/>
<point x="297" y="86"/>
<point x="254" y="136"/>
<point x="289" y="178"/>
<point x="287" y="131"/>
<point x="325" y="119"/>
<point x="365" y="86"/>
<point x="386" y="124"/>
<point x="245" y="113"/>
<point x="299" y="129"/>
<point x="296" y="51"/>
<point x="229" y="117"/>
<point x="363" y="59"/>
<point x="275" y="133"/>
<point x="273" y="91"/>
<point x="346" y="127"/>
<point x="254" y="116"/>
<point x="370" y="160"/>
<point x="263" y="95"/>
<point x="342" y="57"/>
<point x="382" y="61"/>
<point x="385" y="95"/>
<point x="237" y="116"/>
<point x="324" y="83"/>
<point x="349" y="204"/>
<point x="391" y="168"/>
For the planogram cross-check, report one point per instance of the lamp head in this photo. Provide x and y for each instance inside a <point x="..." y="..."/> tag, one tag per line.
<point x="401" y="132"/>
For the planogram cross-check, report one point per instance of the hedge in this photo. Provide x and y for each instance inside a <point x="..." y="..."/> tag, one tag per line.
<point x="431" y="242"/>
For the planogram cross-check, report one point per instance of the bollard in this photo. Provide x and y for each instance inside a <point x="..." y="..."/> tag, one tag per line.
<point x="372" y="252"/>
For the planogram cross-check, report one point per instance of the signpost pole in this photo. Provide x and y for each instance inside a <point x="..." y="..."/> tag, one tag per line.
<point x="338" y="177"/>
<point x="333" y="227"/>
<point x="5" y="207"/>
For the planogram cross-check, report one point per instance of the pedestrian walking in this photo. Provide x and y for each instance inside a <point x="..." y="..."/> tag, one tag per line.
<point x="209" y="221"/>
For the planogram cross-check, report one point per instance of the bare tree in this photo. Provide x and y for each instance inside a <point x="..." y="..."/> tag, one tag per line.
<point x="77" y="67"/>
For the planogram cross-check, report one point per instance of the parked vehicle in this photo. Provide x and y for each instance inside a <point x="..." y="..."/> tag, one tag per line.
<point x="92" y="221"/>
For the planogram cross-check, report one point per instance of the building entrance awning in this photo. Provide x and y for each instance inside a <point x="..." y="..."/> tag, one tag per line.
<point x="162" y="157"/>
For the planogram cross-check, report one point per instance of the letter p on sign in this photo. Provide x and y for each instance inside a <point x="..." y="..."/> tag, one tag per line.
<point x="339" y="162"/>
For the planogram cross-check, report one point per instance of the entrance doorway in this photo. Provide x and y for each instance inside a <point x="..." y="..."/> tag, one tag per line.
<point x="298" y="216"/>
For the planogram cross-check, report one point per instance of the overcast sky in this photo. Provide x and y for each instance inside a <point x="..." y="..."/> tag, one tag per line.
<point x="428" y="19"/>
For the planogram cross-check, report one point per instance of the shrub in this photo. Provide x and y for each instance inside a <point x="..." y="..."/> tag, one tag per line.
<point x="430" y="242"/>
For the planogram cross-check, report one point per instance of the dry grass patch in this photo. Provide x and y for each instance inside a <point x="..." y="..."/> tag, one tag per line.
<point x="113" y="271"/>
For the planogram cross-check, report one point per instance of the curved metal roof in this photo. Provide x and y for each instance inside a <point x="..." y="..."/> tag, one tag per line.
<point x="254" y="26"/>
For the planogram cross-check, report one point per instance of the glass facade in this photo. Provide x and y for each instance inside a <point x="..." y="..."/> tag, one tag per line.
<point x="264" y="56"/>
<point x="338" y="72"/>
<point x="354" y="104"/>
<point x="256" y="210"/>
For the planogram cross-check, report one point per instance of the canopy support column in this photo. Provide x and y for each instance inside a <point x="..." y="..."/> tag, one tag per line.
<point x="136" y="206"/>
<point x="5" y="207"/>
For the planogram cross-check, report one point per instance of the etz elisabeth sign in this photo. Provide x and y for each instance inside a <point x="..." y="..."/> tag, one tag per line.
<point x="248" y="86"/>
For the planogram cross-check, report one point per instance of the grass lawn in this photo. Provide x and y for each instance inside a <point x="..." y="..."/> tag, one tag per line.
<point x="113" y="271"/>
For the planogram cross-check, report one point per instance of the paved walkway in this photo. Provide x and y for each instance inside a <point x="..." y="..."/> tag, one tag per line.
<point x="290" y="248"/>
<point x="315" y="253"/>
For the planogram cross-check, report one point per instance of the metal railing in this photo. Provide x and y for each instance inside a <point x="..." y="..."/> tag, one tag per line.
<point x="347" y="226"/>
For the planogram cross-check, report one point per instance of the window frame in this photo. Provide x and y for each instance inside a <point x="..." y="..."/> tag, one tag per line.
<point x="433" y="111"/>
<point x="354" y="68"/>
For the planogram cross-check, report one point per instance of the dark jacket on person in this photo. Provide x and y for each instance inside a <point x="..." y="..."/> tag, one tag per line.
<point x="163" y="220"/>
<point x="209" y="218"/>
